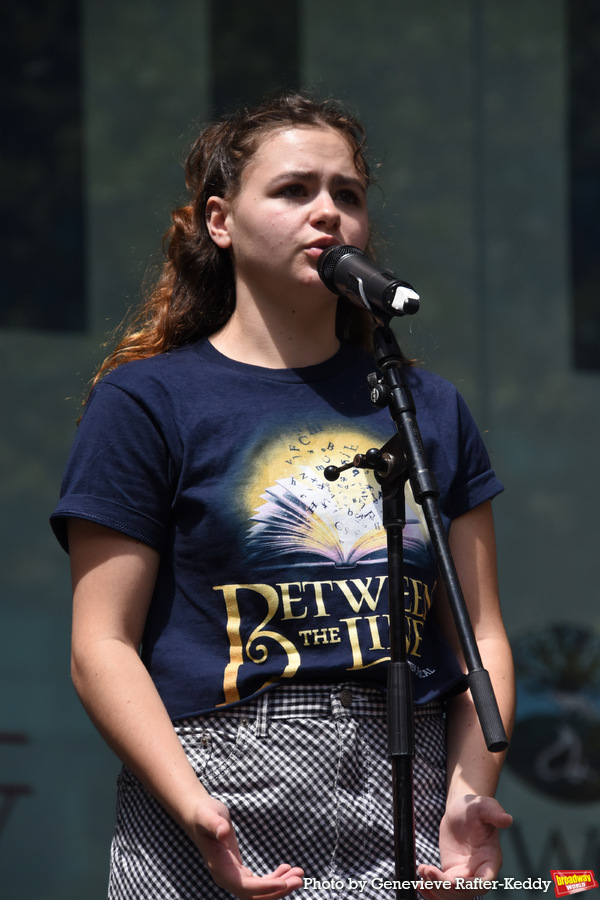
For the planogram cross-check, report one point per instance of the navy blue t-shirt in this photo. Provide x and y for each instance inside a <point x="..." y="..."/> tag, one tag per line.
<point x="269" y="572"/>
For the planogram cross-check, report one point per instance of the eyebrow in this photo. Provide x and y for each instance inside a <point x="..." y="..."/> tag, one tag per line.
<point x="309" y="175"/>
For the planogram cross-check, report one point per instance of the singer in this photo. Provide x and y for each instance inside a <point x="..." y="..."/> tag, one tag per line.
<point x="230" y="631"/>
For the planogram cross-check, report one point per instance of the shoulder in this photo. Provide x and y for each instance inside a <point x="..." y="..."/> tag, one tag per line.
<point x="163" y="368"/>
<point x="151" y="392"/>
<point x="435" y="396"/>
<point x="164" y="380"/>
<point x="429" y="383"/>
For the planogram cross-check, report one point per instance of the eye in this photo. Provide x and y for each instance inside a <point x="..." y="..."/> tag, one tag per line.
<point x="349" y="196"/>
<point x="293" y="190"/>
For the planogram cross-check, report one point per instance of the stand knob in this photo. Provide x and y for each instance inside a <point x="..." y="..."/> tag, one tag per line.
<point x="380" y="392"/>
<point x="374" y="459"/>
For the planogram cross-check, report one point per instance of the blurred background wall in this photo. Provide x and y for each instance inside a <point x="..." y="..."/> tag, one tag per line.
<point x="482" y="116"/>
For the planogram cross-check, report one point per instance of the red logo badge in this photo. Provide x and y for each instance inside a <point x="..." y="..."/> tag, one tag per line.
<point x="572" y="881"/>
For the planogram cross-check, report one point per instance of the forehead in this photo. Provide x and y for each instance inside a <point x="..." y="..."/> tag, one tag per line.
<point x="300" y="147"/>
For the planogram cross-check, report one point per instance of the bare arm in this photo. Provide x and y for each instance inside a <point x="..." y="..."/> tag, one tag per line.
<point x="472" y="768"/>
<point x="469" y="841"/>
<point x="113" y="581"/>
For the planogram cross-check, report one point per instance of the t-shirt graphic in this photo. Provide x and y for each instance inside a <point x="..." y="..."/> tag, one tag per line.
<point x="317" y="550"/>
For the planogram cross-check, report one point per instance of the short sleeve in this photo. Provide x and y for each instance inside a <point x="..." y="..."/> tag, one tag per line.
<point x="474" y="481"/>
<point x="119" y="470"/>
<point x="456" y="452"/>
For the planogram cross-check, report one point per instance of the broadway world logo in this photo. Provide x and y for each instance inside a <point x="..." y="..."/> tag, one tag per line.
<point x="571" y="881"/>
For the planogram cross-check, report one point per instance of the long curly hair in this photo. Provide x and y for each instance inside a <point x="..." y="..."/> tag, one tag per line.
<point x="194" y="295"/>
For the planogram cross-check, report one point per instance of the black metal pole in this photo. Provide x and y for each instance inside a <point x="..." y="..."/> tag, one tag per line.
<point x="394" y="393"/>
<point x="401" y="743"/>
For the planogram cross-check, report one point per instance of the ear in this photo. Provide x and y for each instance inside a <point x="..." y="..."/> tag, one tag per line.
<point x="217" y="221"/>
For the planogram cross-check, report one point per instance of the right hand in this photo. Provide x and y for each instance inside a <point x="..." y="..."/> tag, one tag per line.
<point x="215" y="838"/>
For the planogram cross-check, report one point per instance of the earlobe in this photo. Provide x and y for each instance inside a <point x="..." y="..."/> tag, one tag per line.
<point x="217" y="211"/>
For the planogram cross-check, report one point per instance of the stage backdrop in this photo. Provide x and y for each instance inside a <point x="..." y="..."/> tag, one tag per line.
<point x="481" y="121"/>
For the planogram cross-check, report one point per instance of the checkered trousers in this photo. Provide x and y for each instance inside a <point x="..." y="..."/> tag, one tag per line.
<point x="305" y="774"/>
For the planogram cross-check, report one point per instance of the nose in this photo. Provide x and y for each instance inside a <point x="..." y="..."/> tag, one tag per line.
<point x="324" y="210"/>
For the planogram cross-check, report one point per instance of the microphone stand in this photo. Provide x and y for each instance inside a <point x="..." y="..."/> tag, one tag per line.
<point x="402" y="459"/>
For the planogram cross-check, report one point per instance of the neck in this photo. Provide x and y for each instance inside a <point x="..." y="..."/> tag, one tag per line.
<point x="279" y="338"/>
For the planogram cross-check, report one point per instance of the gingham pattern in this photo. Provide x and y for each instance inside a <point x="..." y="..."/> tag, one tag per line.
<point x="305" y="774"/>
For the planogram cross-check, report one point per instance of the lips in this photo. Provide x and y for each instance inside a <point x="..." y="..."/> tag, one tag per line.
<point x="317" y="247"/>
<point x="323" y="243"/>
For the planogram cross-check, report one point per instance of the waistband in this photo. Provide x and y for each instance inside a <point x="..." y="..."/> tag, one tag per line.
<point x="301" y="701"/>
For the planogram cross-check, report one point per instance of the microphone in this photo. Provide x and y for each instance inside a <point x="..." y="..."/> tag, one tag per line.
<point x="347" y="270"/>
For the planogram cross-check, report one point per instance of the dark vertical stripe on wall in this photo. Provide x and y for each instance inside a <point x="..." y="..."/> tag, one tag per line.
<point x="584" y="146"/>
<point x="41" y="218"/>
<point x="255" y="50"/>
<point x="479" y="87"/>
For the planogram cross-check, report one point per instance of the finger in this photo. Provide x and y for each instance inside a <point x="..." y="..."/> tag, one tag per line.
<point x="244" y="884"/>
<point x="502" y="819"/>
<point x="493" y="813"/>
<point x="486" y="872"/>
<point x="215" y="826"/>
<point x="281" y="870"/>
<point x="288" y="871"/>
<point x="431" y="873"/>
<point x="453" y="892"/>
<point x="267" y="889"/>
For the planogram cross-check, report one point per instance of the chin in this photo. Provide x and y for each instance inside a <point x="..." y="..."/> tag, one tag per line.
<point x="318" y="290"/>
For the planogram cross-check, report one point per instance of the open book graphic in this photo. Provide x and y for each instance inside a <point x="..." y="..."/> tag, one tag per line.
<point x="306" y="515"/>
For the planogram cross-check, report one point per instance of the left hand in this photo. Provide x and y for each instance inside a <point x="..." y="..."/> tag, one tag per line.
<point x="469" y="846"/>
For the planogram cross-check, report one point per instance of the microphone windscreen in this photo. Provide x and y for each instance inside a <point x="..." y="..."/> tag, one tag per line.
<point x="328" y="261"/>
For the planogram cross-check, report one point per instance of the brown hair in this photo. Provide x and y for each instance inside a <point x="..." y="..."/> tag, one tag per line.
<point x="194" y="295"/>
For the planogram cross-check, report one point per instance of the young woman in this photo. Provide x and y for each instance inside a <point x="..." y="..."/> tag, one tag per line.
<point x="201" y="530"/>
